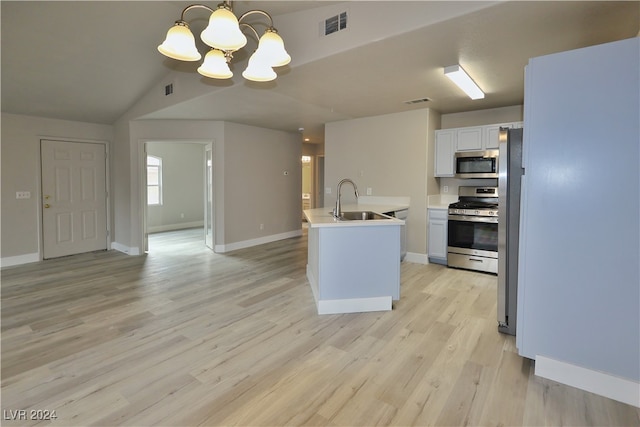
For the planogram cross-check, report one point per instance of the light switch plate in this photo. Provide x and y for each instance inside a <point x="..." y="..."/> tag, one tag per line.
<point x="23" y="194"/>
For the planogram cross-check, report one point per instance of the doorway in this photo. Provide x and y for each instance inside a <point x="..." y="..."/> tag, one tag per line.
<point x="177" y="193"/>
<point x="307" y="184"/>
<point x="74" y="197"/>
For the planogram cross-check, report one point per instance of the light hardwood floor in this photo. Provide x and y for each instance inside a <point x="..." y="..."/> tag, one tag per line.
<point x="184" y="337"/>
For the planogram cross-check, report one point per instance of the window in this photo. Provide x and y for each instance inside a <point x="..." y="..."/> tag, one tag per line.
<point x="154" y="180"/>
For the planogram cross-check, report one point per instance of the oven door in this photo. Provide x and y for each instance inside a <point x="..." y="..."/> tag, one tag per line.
<point x="473" y="243"/>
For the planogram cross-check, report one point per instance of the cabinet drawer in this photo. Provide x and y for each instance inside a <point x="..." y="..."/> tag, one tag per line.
<point x="438" y="214"/>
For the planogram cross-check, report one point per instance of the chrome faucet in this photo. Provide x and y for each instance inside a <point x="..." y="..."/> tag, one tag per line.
<point x="337" y="211"/>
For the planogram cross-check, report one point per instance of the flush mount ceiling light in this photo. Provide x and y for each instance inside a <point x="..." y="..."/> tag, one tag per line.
<point x="224" y="36"/>
<point x="464" y="82"/>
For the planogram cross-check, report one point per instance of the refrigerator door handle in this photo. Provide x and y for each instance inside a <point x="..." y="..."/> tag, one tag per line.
<point x="503" y="160"/>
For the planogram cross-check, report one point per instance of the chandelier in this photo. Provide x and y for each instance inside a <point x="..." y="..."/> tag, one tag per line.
<point x="224" y="36"/>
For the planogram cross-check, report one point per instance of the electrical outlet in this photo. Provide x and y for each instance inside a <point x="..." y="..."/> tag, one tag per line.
<point x="369" y="191"/>
<point x="261" y="226"/>
<point x="445" y="189"/>
<point x="327" y="190"/>
<point x="23" y="194"/>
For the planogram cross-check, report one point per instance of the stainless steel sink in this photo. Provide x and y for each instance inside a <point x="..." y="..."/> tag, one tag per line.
<point x="362" y="216"/>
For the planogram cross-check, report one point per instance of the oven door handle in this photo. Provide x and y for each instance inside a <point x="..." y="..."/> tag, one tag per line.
<point x="468" y="218"/>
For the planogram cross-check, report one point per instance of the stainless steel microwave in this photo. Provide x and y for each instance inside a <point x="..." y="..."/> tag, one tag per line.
<point x="476" y="164"/>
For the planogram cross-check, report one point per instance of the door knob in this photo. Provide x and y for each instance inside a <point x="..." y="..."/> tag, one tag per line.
<point x="47" y="206"/>
<point x="47" y="197"/>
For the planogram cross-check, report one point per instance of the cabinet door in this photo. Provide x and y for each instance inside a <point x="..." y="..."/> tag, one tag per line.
<point x="445" y="147"/>
<point x="469" y="139"/>
<point x="492" y="136"/>
<point x="437" y="240"/>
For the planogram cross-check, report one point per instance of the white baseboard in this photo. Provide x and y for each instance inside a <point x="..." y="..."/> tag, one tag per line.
<point x="179" y="226"/>
<point x="350" y="305"/>
<point x="125" y="249"/>
<point x="20" y="259"/>
<point x="255" y="242"/>
<point x="603" y="384"/>
<point x="354" y="305"/>
<point x="416" y="258"/>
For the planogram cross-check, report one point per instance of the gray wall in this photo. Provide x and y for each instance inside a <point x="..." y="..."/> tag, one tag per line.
<point x="257" y="190"/>
<point x="389" y="154"/>
<point x="182" y="187"/>
<point x="489" y="116"/>
<point x="251" y="175"/>
<point x="250" y="187"/>
<point x="20" y="151"/>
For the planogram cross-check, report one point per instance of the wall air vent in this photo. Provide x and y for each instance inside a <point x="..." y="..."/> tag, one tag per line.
<point x="417" y="101"/>
<point x="335" y="24"/>
<point x="168" y="89"/>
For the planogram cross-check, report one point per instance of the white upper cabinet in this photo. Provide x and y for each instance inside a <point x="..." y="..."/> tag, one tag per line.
<point x="474" y="138"/>
<point x="445" y="147"/>
<point x="491" y="135"/>
<point x="469" y="139"/>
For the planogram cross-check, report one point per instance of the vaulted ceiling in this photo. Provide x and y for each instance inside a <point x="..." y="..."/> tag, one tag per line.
<point x="92" y="61"/>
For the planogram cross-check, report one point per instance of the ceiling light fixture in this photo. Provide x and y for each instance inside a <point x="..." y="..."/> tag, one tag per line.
<point x="224" y="36"/>
<point x="464" y="82"/>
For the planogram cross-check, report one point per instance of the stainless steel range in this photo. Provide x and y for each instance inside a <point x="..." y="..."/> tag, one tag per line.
<point x="473" y="230"/>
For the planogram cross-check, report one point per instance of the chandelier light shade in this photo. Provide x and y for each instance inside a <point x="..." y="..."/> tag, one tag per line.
<point x="224" y="35"/>
<point x="180" y="43"/>
<point x="259" y="69"/>
<point x="215" y="65"/>
<point x="271" y="46"/>
<point x="223" y="31"/>
<point x="457" y="75"/>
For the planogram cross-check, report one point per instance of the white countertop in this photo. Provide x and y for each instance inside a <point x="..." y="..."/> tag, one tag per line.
<point x="322" y="217"/>
<point x="440" y="201"/>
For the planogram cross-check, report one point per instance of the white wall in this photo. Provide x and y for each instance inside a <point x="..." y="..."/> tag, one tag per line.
<point x="182" y="187"/>
<point x="579" y="280"/>
<point x="388" y="154"/>
<point x="20" y="151"/>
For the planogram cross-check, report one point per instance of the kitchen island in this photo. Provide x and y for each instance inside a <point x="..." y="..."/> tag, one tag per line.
<point x="354" y="265"/>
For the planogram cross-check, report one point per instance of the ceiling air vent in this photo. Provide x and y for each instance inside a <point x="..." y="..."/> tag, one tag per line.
<point x="335" y="23"/>
<point x="417" y="101"/>
<point x="168" y="89"/>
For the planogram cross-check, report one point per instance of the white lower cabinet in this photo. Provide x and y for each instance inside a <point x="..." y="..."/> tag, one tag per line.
<point x="437" y="236"/>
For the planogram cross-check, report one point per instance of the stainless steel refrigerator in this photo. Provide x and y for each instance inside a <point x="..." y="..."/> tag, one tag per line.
<point x="509" y="177"/>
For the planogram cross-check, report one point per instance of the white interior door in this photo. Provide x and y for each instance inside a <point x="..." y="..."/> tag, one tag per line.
<point x="208" y="196"/>
<point x="74" y="205"/>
